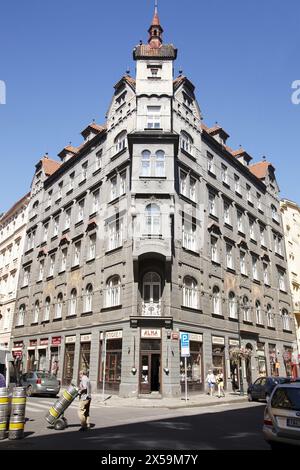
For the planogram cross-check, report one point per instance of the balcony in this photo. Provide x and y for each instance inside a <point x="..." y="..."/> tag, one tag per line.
<point x="151" y="309"/>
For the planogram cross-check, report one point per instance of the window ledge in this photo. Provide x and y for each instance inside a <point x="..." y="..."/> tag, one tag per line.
<point x="28" y="251"/>
<point x="152" y="178"/>
<point x="96" y="172"/>
<point x="69" y="317"/>
<point x="191" y="309"/>
<point x="34" y="323"/>
<point x="67" y="230"/>
<point x="229" y="226"/>
<point x="218" y="315"/>
<point x="82" y="182"/>
<point x="287" y="331"/>
<point x="117" y="155"/>
<point x="54" y="238"/>
<point x="256" y="281"/>
<point x="188" y="154"/>
<point x="246" y="322"/>
<point x="226" y="184"/>
<point x="187" y="199"/>
<point x="62" y="272"/>
<point x="111" y="309"/>
<point x="86" y="314"/>
<point x="214" y="217"/>
<point x="80" y="222"/>
<point x="239" y="194"/>
<point x="233" y="319"/>
<point x="57" y="319"/>
<point x="260" y="325"/>
<point x="44" y="322"/>
<point x="213" y="175"/>
<point x="192" y="252"/>
<point x="69" y="192"/>
<point x="49" y="277"/>
<point x="216" y="263"/>
<point x="231" y="270"/>
<point x="74" y="268"/>
<point x="113" y="250"/>
<point x="90" y="260"/>
<point x="271" y="328"/>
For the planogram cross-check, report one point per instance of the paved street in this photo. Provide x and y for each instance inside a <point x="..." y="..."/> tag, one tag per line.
<point x="223" y="426"/>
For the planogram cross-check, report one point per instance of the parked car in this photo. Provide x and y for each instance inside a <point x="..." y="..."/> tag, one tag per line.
<point x="282" y="416"/>
<point x="40" y="383"/>
<point x="262" y="388"/>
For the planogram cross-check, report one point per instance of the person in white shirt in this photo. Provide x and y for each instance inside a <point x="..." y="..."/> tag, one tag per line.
<point x="211" y="381"/>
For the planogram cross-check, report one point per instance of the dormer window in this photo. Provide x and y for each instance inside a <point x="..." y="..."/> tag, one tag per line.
<point x="186" y="142"/>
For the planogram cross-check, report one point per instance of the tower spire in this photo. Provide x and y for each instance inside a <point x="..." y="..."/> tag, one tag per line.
<point x="155" y="30"/>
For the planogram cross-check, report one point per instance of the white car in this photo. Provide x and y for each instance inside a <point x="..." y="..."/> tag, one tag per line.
<point x="282" y="416"/>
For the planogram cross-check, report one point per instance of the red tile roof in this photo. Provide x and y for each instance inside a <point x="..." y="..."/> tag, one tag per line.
<point x="260" y="170"/>
<point x="23" y="201"/>
<point x="49" y="166"/>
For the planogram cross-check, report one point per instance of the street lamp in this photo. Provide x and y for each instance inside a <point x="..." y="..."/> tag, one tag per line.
<point x="240" y="359"/>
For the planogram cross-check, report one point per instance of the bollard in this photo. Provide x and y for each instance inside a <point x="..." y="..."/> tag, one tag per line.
<point x="61" y="404"/>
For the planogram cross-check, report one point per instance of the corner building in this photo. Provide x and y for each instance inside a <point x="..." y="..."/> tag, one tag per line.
<point x="152" y="227"/>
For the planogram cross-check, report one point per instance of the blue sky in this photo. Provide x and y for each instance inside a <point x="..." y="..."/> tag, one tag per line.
<point x="60" y="60"/>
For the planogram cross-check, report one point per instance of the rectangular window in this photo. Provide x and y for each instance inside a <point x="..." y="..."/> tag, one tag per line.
<point x="71" y="181"/>
<point x="240" y="221"/>
<point x="98" y="160"/>
<point x="153" y="117"/>
<point x="254" y="268"/>
<point x="183" y="183"/>
<point x="115" y="230"/>
<point x="67" y="219"/>
<point x="41" y="270"/>
<point x="266" y="274"/>
<point x="60" y="190"/>
<point x="84" y="167"/>
<point x="281" y="279"/>
<point x="210" y="163"/>
<point x="80" y="213"/>
<point x="51" y="265"/>
<point x="146" y="163"/>
<point x="229" y="256"/>
<point x="259" y="202"/>
<point x="26" y="277"/>
<point x="193" y="183"/>
<point x="237" y="184"/>
<point x="45" y="232"/>
<point x="113" y="188"/>
<point x="92" y="247"/>
<point x="122" y="183"/>
<point x="263" y="236"/>
<point x="243" y="265"/>
<point x="189" y="229"/>
<point x="252" y="229"/>
<point x="77" y="250"/>
<point x="212" y="203"/>
<point x="225" y="178"/>
<point x="214" y="249"/>
<point x="249" y="195"/>
<point x="63" y="264"/>
<point x="96" y="201"/>
<point x="55" y="226"/>
<point x="227" y="214"/>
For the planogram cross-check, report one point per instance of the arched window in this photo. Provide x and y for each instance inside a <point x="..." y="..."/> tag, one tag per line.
<point x="59" y="306"/>
<point x="146" y="163"/>
<point x="246" y="309"/>
<point x="120" y="141"/>
<point x="258" y="313"/>
<point x="190" y="297"/>
<point x="232" y="305"/>
<point x="151" y="294"/>
<point x="160" y="163"/>
<point x="186" y="142"/>
<point x="217" y="307"/>
<point x="113" y="291"/>
<point x="21" y="315"/>
<point x="88" y="299"/>
<point x="36" y="312"/>
<point x="286" y="320"/>
<point x="270" y="316"/>
<point x="153" y="217"/>
<point x="73" y="302"/>
<point x="47" y="309"/>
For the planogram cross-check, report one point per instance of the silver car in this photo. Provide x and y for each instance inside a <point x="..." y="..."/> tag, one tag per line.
<point x="282" y="416"/>
<point x="40" y="383"/>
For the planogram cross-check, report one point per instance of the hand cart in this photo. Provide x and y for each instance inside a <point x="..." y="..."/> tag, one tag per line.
<point x="55" y="416"/>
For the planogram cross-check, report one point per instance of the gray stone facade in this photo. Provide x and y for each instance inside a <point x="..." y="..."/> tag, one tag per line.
<point x="152" y="227"/>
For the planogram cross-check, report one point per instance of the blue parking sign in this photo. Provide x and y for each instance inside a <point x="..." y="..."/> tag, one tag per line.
<point x="185" y="344"/>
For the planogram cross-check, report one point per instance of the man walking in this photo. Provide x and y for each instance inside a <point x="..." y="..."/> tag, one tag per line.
<point x="85" y="398"/>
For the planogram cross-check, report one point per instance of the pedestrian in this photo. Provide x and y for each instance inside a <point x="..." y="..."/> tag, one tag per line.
<point x="54" y="369"/>
<point x="220" y="383"/>
<point x="211" y="381"/>
<point x="2" y="381"/>
<point x="85" y="398"/>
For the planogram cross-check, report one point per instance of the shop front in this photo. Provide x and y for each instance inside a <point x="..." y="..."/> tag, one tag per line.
<point x="69" y="360"/>
<point x="31" y="355"/>
<point x="150" y="361"/>
<point x="273" y="362"/>
<point x="55" y="355"/>
<point x="42" y="354"/>
<point x="218" y="356"/>
<point x="85" y="353"/>
<point x="195" y="380"/>
<point x="111" y="360"/>
<point x="287" y="359"/>
<point x="16" y="368"/>
<point x="234" y="363"/>
<point x="261" y="360"/>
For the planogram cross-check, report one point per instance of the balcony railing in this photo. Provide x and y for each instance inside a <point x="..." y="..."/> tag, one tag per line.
<point x="151" y="309"/>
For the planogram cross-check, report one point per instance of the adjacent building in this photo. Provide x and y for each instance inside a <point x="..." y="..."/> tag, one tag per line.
<point x="154" y="227"/>
<point x="12" y="235"/>
<point x="291" y="222"/>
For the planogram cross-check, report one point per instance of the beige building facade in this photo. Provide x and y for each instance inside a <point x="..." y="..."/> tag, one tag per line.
<point x="291" y="221"/>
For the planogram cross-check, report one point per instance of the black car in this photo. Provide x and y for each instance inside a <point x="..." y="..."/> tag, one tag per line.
<point x="262" y="388"/>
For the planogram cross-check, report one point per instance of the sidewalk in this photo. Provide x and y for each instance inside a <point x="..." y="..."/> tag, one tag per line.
<point x="201" y="400"/>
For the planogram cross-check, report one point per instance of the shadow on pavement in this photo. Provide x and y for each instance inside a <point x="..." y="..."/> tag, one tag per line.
<point x="233" y="429"/>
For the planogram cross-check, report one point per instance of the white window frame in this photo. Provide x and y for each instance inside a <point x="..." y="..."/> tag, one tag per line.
<point x="113" y="292"/>
<point x="153" y="117"/>
<point x="190" y="293"/>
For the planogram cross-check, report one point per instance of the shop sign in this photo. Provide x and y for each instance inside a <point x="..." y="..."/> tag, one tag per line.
<point x="44" y="342"/>
<point x="17" y="353"/>
<point x="113" y="334"/>
<point x="218" y="340"/>
<point x="175" y="335"/>
<point x="18" y="344"/>
<point x="196" y="338"/>
<point x="151" y="334"/>
<point x="234" y="342"/>
<point x="56" y="341"/>
<point x="85" y="338"/>
<point x="33" y="342"/>
<point x="70" y="339"/>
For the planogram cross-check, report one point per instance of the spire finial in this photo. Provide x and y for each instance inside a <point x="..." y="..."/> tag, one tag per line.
<point x="156" y="7"/>
<point x="155" y="30"/>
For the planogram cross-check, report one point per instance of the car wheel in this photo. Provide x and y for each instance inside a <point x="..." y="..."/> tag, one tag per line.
<point x="250" y="398"/>
<point x="29" y="391"/>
